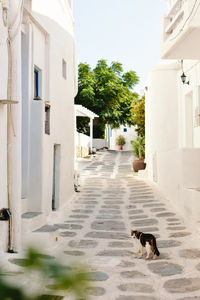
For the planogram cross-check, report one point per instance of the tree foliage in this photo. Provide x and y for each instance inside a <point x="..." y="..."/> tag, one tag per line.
<point x="138" y="115"/>
<point x="107" y="91"/>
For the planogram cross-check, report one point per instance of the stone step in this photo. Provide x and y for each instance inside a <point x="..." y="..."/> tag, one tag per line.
<point x="31" y="221"/>
<point x="45" y="237"/>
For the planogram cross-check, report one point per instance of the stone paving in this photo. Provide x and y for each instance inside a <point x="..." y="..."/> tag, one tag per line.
<point x="110" y="203"/>
<point x="96" y="231"/>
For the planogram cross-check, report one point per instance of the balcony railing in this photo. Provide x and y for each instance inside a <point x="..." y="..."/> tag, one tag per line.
<point x="174" y="17"/>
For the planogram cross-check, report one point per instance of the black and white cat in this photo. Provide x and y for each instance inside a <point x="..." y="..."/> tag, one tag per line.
<point x="146" y="240"/>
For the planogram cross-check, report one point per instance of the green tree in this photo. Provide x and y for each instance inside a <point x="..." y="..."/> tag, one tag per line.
<point x="107" y="91"/>
<point x="138" y="115"/>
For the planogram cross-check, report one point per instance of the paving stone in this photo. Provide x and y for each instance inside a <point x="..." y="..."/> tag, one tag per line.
<point x="172" y="219"/>
<point x="69" y="226"/>
<point x="136" y="287"/>
<point x="165" y="214"/>
<point x="90" y="206"/>
<point x="190" y="298"/>
<point x="108" y="225"/>
<point x="157" y="209"/>
<point x="110" y="212"/>
<point x="148" y="229"/>
<point x="21" y="261"/>
<point x="79" y="216"/>
<point x="176" y="228"/>
<point x="182" y="285"/>
<point x="144" y="222"/>
<point x="126" y="264"/>
<point x="88" y="202"/>
<point x="120" y="244"/>
<point x="164" y="256"/>
<point x="75" y="221"/>
<point x="154" y="205"/>
<point x="141" y="201"/>
<point x="67" y="234"/>
<point x="142" y="197"/>
<point x="113" y="253"/>
<point x="131" y="206"/>
<point x="165" y="269"/>
<point x="83" y="243"/>
<point x="109" y="217"/>
<point x="92" y="195"/>
<point x="168" y="243"/>
<point x="138" y="217"/>
<point x="108" y="235"/>
<point x="30" y="215"/>
<point x="179" y="234"/>
<point x="136" y="298"/>
<point x="74" y="253"/>
<point x="95" y="291"/>
<point x="190" y="253"/>
<point x="111" y="206"/>
<point x="47" y="228"/>
<point x="82" y="211"/>
<point x="97" y="276"/>
<point x="132" y="274"/>
<point x="135" y="211"/>
<point x="114" y="202"/>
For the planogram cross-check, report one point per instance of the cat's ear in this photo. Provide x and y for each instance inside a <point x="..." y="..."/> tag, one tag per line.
<point x="131" y="232"/>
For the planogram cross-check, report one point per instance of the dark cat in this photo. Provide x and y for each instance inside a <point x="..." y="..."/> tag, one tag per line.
<point x="146" y="240"/>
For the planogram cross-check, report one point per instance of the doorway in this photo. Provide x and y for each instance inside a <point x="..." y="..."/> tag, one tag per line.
<point x="189" y="120"/>
<point x="56" y="177"/>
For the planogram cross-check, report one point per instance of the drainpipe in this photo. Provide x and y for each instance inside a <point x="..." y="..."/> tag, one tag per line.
<point x="10" y="123"/>
<point x="5" y="8"/>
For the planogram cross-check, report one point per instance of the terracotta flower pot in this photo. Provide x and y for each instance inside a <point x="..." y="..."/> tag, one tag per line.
<point x="139" y="164"/>
<point x="120" y="147"/>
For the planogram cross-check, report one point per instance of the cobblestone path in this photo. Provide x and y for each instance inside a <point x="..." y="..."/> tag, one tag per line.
<point x="96" y="228"/>
<point x="111" y="202"/>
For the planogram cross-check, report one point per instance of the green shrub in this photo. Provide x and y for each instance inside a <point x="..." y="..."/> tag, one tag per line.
<point x="120" y="140"/>
<point x="139" y="147"/>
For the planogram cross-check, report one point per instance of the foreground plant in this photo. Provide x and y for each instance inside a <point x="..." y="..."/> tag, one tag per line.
<point x="43" y="278"/>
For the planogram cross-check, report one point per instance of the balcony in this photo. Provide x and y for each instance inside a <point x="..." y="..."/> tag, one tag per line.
<point x="181" y="31"/>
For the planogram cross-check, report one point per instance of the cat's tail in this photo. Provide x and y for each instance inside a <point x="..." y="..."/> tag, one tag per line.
<point x="155" y="248"/>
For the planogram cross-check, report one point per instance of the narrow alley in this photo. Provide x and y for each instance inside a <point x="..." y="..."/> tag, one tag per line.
<point x="111" y="202"/>
<point x="95" y="226"/>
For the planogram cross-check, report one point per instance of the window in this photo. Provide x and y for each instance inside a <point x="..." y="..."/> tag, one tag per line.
<point x="64" y="69"/>
<point x="47" y="119"/>
<point x="125" y="129"/>
<point x="37" y="90"/>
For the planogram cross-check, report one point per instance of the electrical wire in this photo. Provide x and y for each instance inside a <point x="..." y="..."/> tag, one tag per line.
<point x="187" y="20"/>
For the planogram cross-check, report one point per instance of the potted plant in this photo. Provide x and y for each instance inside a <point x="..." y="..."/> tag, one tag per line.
<point x="139" y="152"/>
<point x="120" y="141"/>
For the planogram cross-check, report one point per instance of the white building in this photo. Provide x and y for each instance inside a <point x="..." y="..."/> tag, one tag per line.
<point x="173" y="111"/>
<point x="128" y="132"/>
<point x="83" y="142"/>
<point x="37" y="132"/>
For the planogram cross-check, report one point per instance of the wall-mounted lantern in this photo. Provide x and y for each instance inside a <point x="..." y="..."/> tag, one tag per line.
<point x="183" y="76"/>
<point x="5" y="214"/>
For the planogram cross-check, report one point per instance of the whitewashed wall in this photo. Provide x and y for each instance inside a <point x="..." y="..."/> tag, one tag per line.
<point x="129" y="135"/>
<point x="48" y="40"/>
<point x="82" y="140"/>
<point x="100" y="143"/>
<point x="172" y="163"/>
